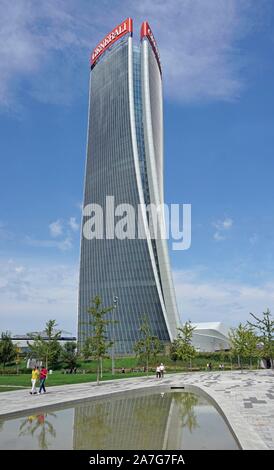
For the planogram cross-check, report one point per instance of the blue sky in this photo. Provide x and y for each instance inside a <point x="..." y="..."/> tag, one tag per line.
<point x="218" y="69"/>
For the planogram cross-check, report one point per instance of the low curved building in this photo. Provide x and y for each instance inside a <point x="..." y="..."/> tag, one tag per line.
<point x="210" y="336"/>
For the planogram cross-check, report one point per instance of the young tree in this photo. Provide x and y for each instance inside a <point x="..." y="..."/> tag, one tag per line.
<point x="85" y="350"/>
<point x="148" y="345"/>
<point x="265" y="326"/>
<point x="173" y="352"/>
<point x="243" y="342"/>
<point x="184" y="349"/>
<point x="69" y="354"/>
<point x="251" y="346"/>
<point x="7" y="349"/>
<point x="187" y="402"/>
<point x="45" y="346"/>
<point x="17" y="358"/>
<point x="97" y="345"/>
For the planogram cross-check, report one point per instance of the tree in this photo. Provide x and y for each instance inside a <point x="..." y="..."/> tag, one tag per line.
<point x="265" y="326"/>
<point x="97" y="345"/>
<point x="45" y="346"/>
<point x="243" y="342"/>
<point x="251" y="346"/>
<point x="187" y="402"/>
<point x="183" y="343"/>
<point x="17" y="359"/>
<point x="69" y="354"/>
<point x="85" y="350"/>
<point x="148" y="345"/>
<point x="173" y="351"/>
<point x="7" y="349"/>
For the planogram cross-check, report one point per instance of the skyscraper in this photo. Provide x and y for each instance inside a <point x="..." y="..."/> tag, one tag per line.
<point x="125" y="161"/>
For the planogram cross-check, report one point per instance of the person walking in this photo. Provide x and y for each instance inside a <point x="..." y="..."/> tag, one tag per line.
<point x="43" y="376"/>
<point x="162" y="369"/>
<point x="158" y="372"/>
<point x="34" y="378"/>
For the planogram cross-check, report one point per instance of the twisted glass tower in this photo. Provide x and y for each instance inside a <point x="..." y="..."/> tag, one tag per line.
<point x="125" y="162"/>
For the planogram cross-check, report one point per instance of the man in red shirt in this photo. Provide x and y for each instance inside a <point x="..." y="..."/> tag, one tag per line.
<point x="43" y="376"/>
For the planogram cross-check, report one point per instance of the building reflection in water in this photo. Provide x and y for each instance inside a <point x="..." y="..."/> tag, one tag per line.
<point x="134" y="422"/>
<point x="148" y="420"/>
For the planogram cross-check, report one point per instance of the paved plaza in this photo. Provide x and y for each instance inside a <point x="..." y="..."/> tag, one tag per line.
<point x="245" y="399"/>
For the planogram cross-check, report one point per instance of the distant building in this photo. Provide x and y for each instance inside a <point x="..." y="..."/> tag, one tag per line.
<point x="210" y="337"/>
<point x="21" y="341"/>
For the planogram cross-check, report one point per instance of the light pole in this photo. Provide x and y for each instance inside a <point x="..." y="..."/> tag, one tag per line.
<point x="115" y="303"/>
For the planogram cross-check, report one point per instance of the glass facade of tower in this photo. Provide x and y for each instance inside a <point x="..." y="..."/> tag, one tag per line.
<point x="126" y="268"/>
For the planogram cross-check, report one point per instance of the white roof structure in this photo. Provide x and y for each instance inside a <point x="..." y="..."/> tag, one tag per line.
<point x="210" y="336"/>
<point x="21" y="341"/>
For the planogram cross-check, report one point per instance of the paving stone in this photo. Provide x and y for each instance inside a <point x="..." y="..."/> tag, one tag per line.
<point x="252" y="424"/>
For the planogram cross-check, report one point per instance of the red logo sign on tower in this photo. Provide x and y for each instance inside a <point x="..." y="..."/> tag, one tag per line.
<point x="118" y="32"/>
<point x="146" y="32"/>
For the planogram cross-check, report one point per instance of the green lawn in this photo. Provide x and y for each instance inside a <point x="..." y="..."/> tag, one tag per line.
<point x="57" y="378"/>
<point x="131" y="364"/>
<point x="10" y="389"/>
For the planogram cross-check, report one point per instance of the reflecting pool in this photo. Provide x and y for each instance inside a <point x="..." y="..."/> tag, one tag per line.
<point x="162" y="420"/>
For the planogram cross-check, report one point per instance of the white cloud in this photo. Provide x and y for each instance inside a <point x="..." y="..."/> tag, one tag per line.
<point x="36" y="294"/>
<point x="65" y="244"/>
<point x="5" y="234"/>
<point x="222" y="226"/>
<point x="198" y="42"/>
<point x="56" y="228"/>
<point x="218" y="237"/>
<point x="19" y="269"/>
<point x="62" y="245"/>
<point x="204" y="299"/>
<point x="42" y="291"/>
<point x="198" y="46"/>
<point x="225" y="224"/>
<point x="73" y="224"/>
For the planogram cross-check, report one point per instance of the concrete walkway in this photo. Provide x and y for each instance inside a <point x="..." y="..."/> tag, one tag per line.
<point x="246" y="400"/>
